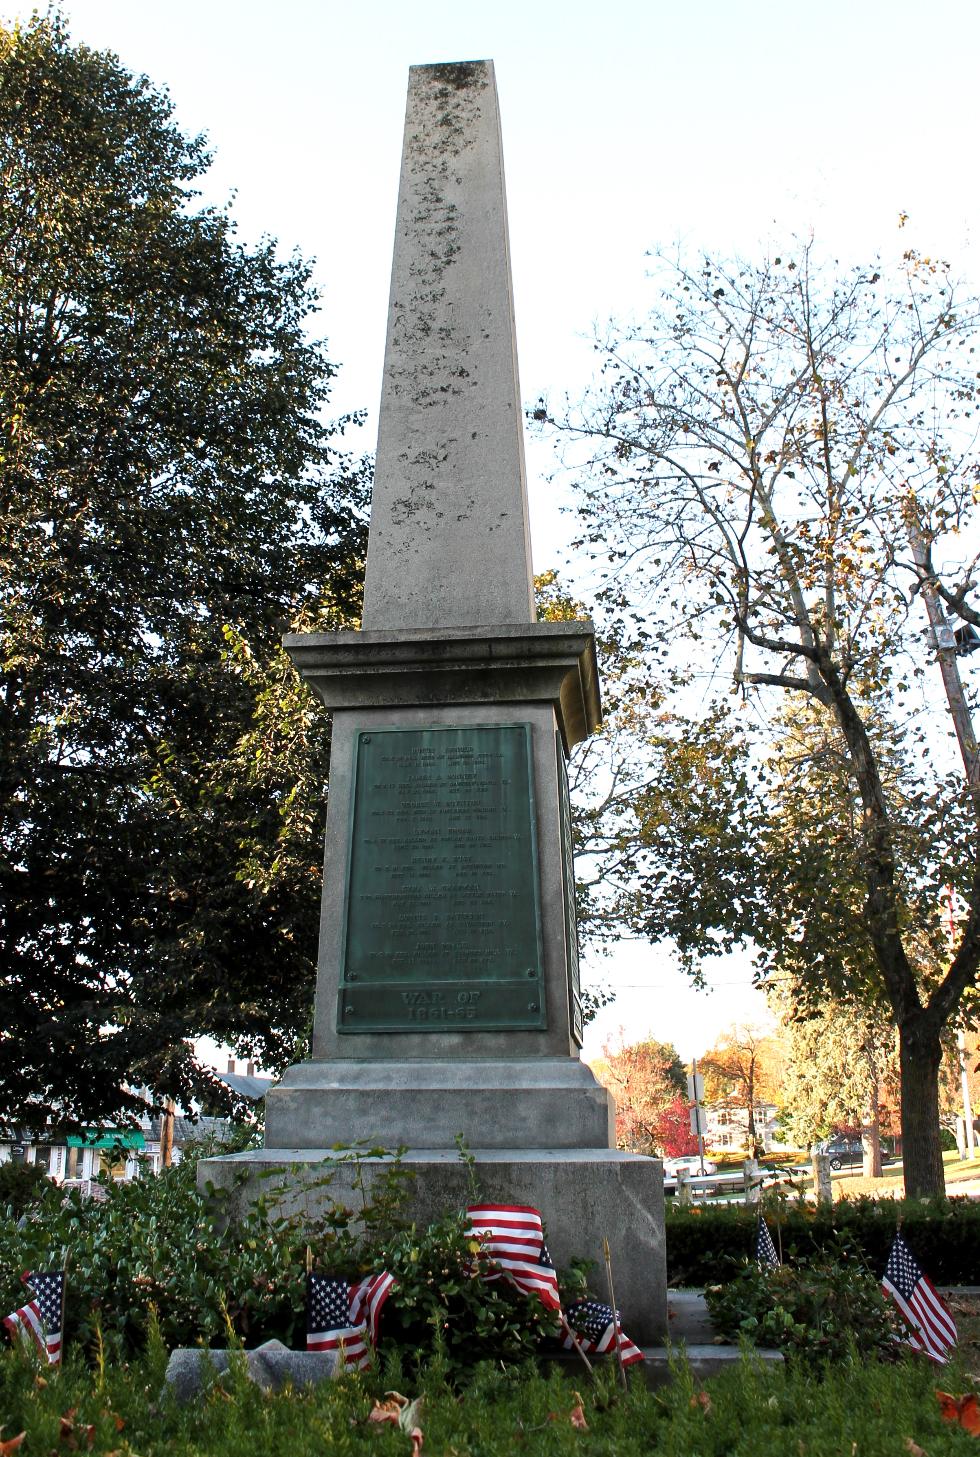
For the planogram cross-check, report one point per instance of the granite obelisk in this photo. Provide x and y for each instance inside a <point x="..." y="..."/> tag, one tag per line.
<point x="447" y="993"/>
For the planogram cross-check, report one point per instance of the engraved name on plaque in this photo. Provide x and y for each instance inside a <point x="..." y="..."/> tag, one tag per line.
<point x="442" y="917"/>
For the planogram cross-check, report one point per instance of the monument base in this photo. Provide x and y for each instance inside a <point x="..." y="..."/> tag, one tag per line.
<point x="427" y="1103"/>
<point x="584" y="1195"/>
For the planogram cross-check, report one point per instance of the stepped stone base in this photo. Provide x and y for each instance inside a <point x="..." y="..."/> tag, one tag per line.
<point x="548" y="1102"/>
<point x="584" y="1195"/>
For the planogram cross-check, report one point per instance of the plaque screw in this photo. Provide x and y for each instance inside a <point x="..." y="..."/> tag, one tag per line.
<point x="352" y="976"/>
<point x="348" y="1009"/>
<point x="532" y="1006"/>
<point x="530" y="971"/>
<point x="366" y="739"/>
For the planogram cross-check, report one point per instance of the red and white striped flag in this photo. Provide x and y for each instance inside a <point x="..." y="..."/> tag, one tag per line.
<point x="512" y="1236"/>
<point x="598" y="1331"/>
<point x="931" y="1327"/>
<point x="40" y="1319"/>
<point x="343" y="1317"/>
<point x="366" y="1300"/>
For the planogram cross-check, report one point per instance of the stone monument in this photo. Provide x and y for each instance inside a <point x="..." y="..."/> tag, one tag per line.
<point x="447" y="998"/>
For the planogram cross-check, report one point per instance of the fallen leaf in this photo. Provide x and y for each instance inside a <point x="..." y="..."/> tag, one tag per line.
<point x="964" y="1410"/>
<point x="701" y="1399"/>
<point x="384" y="1411"/>
<point x="577" y="1415"/>
<point x="402" y="1413"/>
<point x="914" y="1448"/>
<point x="408" y="1418"/>
<point x="72" y="1433"/>
<point x="11" y="1444"/>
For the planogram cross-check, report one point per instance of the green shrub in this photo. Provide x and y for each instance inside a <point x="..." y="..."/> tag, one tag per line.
<point x="155" y="1250"/>
<point x="827" y="1309"/>
<point x="21" y="1185"/>
<point x="707" y="1243"/>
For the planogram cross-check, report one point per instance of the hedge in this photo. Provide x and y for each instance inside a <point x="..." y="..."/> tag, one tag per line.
<point x="706" y="1244"/>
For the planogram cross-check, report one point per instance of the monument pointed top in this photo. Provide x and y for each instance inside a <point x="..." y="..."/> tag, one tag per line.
<point x="449" y="543"/>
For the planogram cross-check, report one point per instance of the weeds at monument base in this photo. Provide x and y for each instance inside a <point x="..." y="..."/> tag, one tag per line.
<point x="749" y="1409"/>
<point x="822" y="1310"/>
<point x="156" y="1252"/>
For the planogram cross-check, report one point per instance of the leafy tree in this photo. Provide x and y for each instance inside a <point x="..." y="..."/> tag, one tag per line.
<point x="741" y="1070"/>
<point x="170" y="498"/>
<point x="842" y="1073"/>
<point x="774" y="468"/>
<point x="646" y="1079"/>
<point x="672" y="1127"/>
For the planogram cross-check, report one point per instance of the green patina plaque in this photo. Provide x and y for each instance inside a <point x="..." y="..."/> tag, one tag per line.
<point x="442" y="917"/>
<point x="575" y="1016"/>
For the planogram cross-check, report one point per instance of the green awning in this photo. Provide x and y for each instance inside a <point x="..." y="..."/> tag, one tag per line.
<point x="128" y="1138"/>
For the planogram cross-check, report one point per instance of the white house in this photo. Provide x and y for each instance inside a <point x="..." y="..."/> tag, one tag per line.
<point x="728" y="1127"/>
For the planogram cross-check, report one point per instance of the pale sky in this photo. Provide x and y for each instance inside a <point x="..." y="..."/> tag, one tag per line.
<point x="720" y="125"/>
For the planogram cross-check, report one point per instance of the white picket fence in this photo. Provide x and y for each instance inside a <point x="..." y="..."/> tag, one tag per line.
<point x="748" y="1183"/>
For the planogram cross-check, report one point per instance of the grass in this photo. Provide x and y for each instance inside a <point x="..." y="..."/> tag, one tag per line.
<point x="962" y="1177"/>
<point x="748" y="1411"/>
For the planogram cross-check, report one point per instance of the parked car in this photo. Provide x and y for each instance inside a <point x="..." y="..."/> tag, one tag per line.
<point x="691" y="1162"/>
<point x="845" y="1153"/>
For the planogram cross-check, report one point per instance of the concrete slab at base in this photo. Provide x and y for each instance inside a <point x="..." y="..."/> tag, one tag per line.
<point x="493" y="1102"/>
<point x="660" y="1364"/>
<point x="192" y="1371"/>
<point x="583" y="1194"/>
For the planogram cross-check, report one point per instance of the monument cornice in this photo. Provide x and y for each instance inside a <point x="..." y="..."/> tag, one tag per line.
<point x="551" y="662"/>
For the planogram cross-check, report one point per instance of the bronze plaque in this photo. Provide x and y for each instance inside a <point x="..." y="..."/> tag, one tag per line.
<point x="575" y="1015"/>
<point x="442" y="916"/>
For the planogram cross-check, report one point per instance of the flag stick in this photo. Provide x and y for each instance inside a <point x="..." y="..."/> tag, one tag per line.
<point x="309" y="1260"/>
<point x="615" y="1313"/>
<point x="64" y="1291"/>
<point x="566" y="1328"/>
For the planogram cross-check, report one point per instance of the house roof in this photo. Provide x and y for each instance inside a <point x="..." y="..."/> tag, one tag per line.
<point x="186" y="1130"/>
<point x="251" y="1088"/>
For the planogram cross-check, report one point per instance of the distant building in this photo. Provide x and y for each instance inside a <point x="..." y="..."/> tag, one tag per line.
<point x="728" y="1127"/>
<point x="122" y="1154"/>
<point x="78" y="1159"/>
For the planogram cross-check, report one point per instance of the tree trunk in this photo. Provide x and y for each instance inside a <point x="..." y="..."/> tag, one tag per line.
<point x="871" y="1132"/>
<point x="871" y="1149"/>
<point x="920" y="1054"/>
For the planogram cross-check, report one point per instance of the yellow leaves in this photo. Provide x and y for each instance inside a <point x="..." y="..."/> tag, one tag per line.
<point x="701" y="1400"/>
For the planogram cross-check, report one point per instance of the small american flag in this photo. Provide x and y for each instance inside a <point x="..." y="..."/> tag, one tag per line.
<point x="765" y="1250"/>
<point x="40" y="1319"/>
<point x="366" y="1300"/>
<point x="512" y="1236"/>
<point x="598" y="1329"/>
<point x="931" y="1327"/>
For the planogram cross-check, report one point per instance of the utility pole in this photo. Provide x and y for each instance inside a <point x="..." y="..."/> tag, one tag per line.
<point x="968" y="1133"/>
<point x="695" y="1093"/>
<point x="167" y="1134"/>
<point x="946" y="654"/>
<point x="959" y="710"/>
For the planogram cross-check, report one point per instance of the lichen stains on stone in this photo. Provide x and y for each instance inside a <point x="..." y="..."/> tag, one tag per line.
<point x="458" y="74"/>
